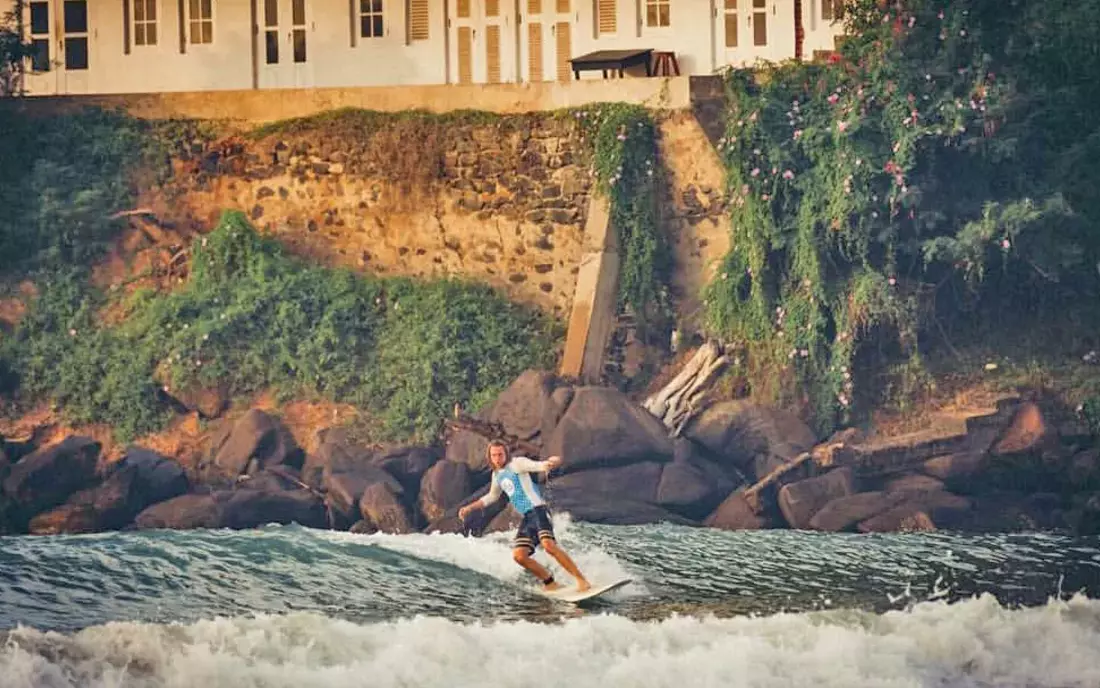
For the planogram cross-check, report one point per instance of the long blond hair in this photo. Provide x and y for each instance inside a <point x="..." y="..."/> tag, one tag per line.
<point x="497" y="443"/>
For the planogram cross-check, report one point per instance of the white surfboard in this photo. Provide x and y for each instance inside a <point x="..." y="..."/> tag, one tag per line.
<point x="570" y="594"/>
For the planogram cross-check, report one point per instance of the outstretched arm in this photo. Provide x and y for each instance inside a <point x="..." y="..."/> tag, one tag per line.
<point x="492" y="496"/>
<point x="523" y="464"/>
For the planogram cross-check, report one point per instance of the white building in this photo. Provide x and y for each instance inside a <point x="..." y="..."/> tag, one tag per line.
<point x="150" y="46"/>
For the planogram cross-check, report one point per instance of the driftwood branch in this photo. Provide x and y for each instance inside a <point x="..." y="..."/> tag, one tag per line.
<point x="491" y="431"/>
<point x="678" y="402"/>
<point x="752" y="494"/>
<point x="130" y="213"/>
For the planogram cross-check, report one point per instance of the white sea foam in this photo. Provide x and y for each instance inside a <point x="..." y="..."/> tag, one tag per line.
<point x="491" y="555"/>
<point x="971" y="644"/>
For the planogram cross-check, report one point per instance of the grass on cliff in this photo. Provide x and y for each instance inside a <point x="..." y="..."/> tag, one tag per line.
<point x="251" y="317"/>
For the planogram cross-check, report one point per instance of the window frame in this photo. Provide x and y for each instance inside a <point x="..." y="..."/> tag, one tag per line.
<point x="657" y="5"/>
<point x="190" y="21"/>
<point x="145" y="23"/>
<point x="370" y="15"/>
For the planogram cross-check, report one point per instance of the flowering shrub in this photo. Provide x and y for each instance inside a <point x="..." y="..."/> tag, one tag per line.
<point x="909" y="161"/>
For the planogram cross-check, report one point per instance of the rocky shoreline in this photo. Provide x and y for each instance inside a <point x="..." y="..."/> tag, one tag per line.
<point x="733" y="466"/>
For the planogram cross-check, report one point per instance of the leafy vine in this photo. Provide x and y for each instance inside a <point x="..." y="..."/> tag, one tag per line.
<point x="851" y="182"/>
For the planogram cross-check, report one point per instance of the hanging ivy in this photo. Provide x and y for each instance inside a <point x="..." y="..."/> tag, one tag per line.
<point x="623" y="140"/>
<point x="854" y="181"/>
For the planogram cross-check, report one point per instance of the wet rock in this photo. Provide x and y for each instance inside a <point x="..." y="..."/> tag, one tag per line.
<point x="382" y="506"/>
<point x="734" y="513"/>
<point x="800" y="501"/>
<point x="844" y="512"/>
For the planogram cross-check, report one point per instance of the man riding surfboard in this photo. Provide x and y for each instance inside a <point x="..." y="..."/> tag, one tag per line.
<point x="511" y="476"/>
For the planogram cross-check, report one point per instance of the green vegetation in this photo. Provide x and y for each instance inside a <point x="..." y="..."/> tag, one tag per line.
<point x="932" y="182"/>
<point x="251" y="317"/>
<point x="62" y="178"/>
<point x="625" y="160"/>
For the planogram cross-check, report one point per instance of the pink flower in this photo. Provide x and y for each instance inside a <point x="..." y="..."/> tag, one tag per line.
<point x="1005" y="245"/>
<point x="755" y="171"/>
<point x="787" y="174"/>
<point x="842" y="125"/>
<point x="892" y="281"/>
<point x="833" y="98"/>
<point x="797" y="134"/>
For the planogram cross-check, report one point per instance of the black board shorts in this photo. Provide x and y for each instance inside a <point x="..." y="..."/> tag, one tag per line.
<point x="536" y="526"/>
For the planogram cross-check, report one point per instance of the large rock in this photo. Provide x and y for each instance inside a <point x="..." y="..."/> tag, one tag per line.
<point x="957" y="467"/>
<point x="617" y="511"/>
<point x="345" y="489"/>
<point x="521" y="407"/>
<point x="383" y="508"/>
<point x="913" y="482"/>
<point x="161" y="478"/>
<point x="236" y="509"/>
<point x="734" y="513"/>
<point x="603" y="427"/>
<point x="751" y="438"/>
<point x="139" y="479"/>
<point x="799" y="501"/>
<point x="1009" y="511"/>
<point x="47" y="477"/>
<point x="844" y="512"/>
<point x="528" y="408"/>
<point x="255" y="508"/>
<point x="335" y="453"/>
<point x="634" y="482"/>
<point x="1029" y="431"/>
<point x="939" y="508"/>
<point x="255" y="441"/>
<point x="692" y="485"/>
<point x="443" y="488"/>
<point x="184" y="512"/>
<point x="408" y="465"/>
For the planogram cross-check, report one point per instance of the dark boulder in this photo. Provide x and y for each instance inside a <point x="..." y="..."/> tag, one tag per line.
<point x="603" y="427"/>
<point x="692" y="484"/>
<point x="382" y="507"/>
<point x="750" y="438"/>
<point x="443" y="488"/>
<point x="253" y="442"/>
<point x="48" y="476"/>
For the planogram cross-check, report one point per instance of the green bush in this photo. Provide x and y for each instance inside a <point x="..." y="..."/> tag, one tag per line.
<point x="945" y="153"/>
<point x="251" y="317"/>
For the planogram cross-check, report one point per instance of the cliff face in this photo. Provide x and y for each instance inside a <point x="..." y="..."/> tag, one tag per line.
<point x="501" y="201"/>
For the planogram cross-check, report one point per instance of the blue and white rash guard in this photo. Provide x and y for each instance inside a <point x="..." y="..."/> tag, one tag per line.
<point x="515" y="481"/>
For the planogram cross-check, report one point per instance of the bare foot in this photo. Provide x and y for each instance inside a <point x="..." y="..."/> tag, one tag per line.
<point x="583" y="585"/>
<point x="553" y="585"/>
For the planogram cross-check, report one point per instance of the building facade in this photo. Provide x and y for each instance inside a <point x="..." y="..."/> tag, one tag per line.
<point x="153" y="46"/>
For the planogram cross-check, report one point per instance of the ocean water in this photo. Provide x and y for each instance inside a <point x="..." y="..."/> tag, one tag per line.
<point x="288" y="606"/>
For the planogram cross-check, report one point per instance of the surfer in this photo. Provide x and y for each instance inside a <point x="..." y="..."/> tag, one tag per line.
<point x="511" y="477"/>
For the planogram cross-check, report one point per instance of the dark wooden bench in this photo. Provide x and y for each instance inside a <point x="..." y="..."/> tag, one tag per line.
<point x="619" y="60"/>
